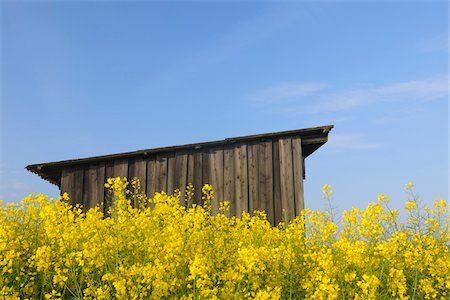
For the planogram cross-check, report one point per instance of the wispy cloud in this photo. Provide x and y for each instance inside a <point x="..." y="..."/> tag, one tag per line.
<point x="321" y="97"/>
<point x="349" y="142"/>
<point x="435" y="43"/>
<point x="406" y="115"/>
<point x="12" y="190"/>
<point x="419" y="90"/>
<point x="287" y="92"/>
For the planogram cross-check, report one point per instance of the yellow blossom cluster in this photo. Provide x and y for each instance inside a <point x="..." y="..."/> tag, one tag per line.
<point x="153" y="248"/>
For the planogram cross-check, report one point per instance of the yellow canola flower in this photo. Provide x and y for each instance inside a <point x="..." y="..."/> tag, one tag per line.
<point x="383" y="198"/>
<point x="409" y="186"/>
<point x="410" y="205"/>
<point x="326" y="190"/>
<point x="152" y="247"/>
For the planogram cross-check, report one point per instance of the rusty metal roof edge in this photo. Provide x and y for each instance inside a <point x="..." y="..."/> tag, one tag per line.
<point x="35" y="168"/>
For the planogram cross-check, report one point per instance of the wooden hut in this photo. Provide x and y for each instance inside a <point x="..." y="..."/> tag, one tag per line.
<point x="263" y="171"/>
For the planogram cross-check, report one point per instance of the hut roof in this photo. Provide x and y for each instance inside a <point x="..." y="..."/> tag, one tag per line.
<point x="312" y="139"/>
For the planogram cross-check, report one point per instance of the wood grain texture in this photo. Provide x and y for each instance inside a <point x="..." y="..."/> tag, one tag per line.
<point x="79" y="185"/>
<point x="120" y="168"/>
<point x="229" y="178"/>
<point x="67" y="183"/>
<point x="181" y="171"/>
<point x="213" y="174"/>
<point x="195" y="174"/>
<point x="265" y="180"/>
<point x="177" y="173"/>
<point x="253" y="172"/>
<point x="171" y="173"/>
<point x="92" y="197"/>
<point x="298" y="174"/>
<point x="286" y="178"/>
<point x="130" y="172"/>
<point x="94" y="181"/>
<point x="241" y="179"/>
<point x="94" y="185"/>
<point x="278" y="217"/>
<point x="101" y="174"/>
<point x="265" y="175"/>
<point x="161" y="173"/>
<point x="150" y="185"/>
<point x="260" y="176"/>
<point x="109" y="173"/>
<point x="140" y="171"/>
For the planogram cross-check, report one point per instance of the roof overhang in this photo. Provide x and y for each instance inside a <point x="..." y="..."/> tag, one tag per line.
<point x="312" y="139"/>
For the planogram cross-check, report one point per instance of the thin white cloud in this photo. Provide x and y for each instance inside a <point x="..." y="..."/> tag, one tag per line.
<point x="349" y="142"/>
<point x="435" y="43"/>
<point x="319" y="97"/>
<point x="426" y="90"/>
<point x="419" y="90"/>
<point x="284" y="92"/>
<point x="13" y="190"/>
<point x="16" y="186"/>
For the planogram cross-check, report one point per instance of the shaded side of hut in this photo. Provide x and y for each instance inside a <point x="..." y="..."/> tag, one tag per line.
<point x="263" y="172"/>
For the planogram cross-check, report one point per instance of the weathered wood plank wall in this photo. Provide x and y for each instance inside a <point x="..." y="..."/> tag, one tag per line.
<point x="265" y="175"/>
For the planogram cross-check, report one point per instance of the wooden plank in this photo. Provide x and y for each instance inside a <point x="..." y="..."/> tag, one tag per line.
<point x="198" y="176"/>
<point x="101" y="171"/>
<point x="92" y="197"/>
<point x="136" y="169"/>
<point x="109" y="173"/>
<point x="181" y="170"/>
<point x="151" y="177"/>
<point x="109" y="170"/>
<point x="278" y="217"/>
<point x="130" y="172"/>
<point x="94" y="180"/>
<point x="217" y="178"/>
<point x="129" y="177"/>
<point x="140" y="171"/>
<point x="298" y="174"/>
<point x="190" y="174"/>
<point x="195" y="174"/>
<point x="206" y="168"/>
<point x="229" y="179"/>
<point x="85" y="188"/>
<point x="161" y="173"/>
<point x="64" y="182"/>
<point x="171" y="173"/>
<point x="120" y="168"/>
<point x="177" y="173"/>
<point x="213" y="174"/>
<point x="265" y="180"/>
<point x="287" y="180"/>
<point x="253" y="176"/>
<point x="67" y="183"/>
<point x="87" y="193"/>
<point x="78" y="185"/>
<point x="241" y="178"/>
<point x="260" y="174"/>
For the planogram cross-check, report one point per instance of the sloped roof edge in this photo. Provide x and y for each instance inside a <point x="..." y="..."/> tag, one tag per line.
<point x="314" y="136"/>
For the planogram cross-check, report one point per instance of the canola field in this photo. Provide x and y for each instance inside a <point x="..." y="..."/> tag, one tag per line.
<point x="158" y="249"/>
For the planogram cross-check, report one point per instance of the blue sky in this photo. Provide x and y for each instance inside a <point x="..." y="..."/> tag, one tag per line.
<point x="90" y="78"/>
